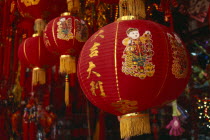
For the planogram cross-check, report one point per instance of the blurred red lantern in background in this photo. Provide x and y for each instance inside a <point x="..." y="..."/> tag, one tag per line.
<point x="130" y="66"/>
<point x="65" y="36"/>
<point x="41" y="8"/>
<point x="33" y="53"/>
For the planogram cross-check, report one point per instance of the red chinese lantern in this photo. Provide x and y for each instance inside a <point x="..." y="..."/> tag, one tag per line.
<point x="130" y="66"/>
<point x="32" y="53"/>
<point x="65" y="36"/>
<point x="41" y="8"/>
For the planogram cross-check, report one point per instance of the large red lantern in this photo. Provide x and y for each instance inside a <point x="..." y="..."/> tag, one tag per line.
<point x="130" y="66"/>
<point x="65" y="36"/>
<point x="33" y="54"/>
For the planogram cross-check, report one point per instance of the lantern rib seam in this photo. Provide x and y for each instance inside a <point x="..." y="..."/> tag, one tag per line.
<point x="163" y="84"/>
<point x="53" y="32"/>
<point x="24" y="46"/>
<point x="74" y="34"/>
<point x="115" y="61"/>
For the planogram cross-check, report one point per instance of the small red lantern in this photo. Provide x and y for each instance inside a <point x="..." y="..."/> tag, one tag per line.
<point x="130" y="66"/>
<point x="32" y="53"/>
<point x="65" y="36"/>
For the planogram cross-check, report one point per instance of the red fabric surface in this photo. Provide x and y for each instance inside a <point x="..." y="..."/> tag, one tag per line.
<point x="41" y="8"/>
<point x="4" y="133"/>
<point x="119" y="87"/>
<point x="1" y="61"/>
<point x="32" y="130"/>
<point x="60" y="46"/>
<point x="33" y="53"/>
<point x="111" y="1"/>
<point x="25" y="129"/>
<point x="26" y="26"/>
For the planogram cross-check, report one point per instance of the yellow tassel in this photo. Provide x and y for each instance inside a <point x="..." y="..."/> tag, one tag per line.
<point x="134" y="124"/>
<point x="67" y="91"/>
<point x="39" y="26"/>
<point x="67" y="64"/>
<point x="38" y="76"/>
<point x="132" y="9"/>
<point x="175" y="111"/>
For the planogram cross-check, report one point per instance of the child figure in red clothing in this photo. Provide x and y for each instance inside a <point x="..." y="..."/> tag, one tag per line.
<point x="138" y="54"/>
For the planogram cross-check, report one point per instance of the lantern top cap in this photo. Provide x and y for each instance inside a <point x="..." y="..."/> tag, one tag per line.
<point x="66" y="14"/>
<point x="35" y="35"/>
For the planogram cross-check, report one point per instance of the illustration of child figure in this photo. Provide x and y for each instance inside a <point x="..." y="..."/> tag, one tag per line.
<point x="138" y="54"/>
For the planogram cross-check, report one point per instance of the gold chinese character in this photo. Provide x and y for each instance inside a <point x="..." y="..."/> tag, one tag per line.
<point x="89" y="70"/>
<point x="94" y="49"/>
<point x="98" y="34"/>
<point x="46" y="42"/>
<point x="30" y="2"/>
<point x="97" y="85"/>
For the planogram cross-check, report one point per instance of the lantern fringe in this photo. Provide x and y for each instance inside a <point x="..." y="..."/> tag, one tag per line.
<point x="134" y="124"/>
<point x="67" y="64"/>
<point x="38" y="76"/>
<point x="67" y="91"/>
<point x="132" y="9"/>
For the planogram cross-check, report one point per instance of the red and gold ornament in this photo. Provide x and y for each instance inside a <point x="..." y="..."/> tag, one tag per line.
<point x="65" y="36"/>
<point x="130" y="66"/>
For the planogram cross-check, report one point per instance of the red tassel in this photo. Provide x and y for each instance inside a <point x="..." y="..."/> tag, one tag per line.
<point x="46" y="98"/>
<point x="22" y="81"/>
<point x="5" y="20"/>
<point x="5" y="57"/>
<point x="32" y="130"/>
<point x="4" y="133"/>
<point x="1" y="61"/>
<point x="25" y="126"/>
